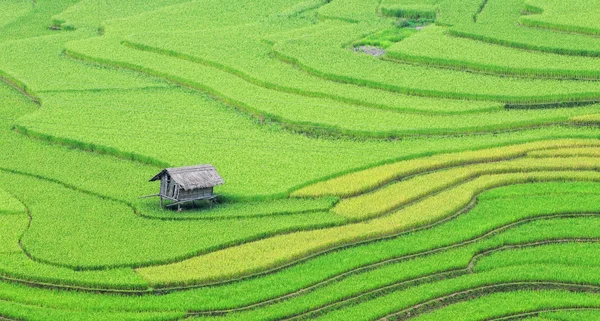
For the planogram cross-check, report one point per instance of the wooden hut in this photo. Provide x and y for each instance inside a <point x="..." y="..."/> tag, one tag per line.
<point x="187" y="184"/>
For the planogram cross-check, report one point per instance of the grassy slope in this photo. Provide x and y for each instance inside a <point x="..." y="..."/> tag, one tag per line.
<point x="539" y="230"/>
<point x="434" y="47"/>
<point x="573" y="16"/>
<point x="86" y="105"/>
<point x="497" y="24"/>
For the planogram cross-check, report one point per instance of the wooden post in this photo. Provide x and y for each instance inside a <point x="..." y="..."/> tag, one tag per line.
<point x="161" y="204"/>
<point x="179" y="207"/>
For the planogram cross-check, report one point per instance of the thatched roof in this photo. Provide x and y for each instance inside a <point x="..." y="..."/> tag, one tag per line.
<point x="192" y="177"/>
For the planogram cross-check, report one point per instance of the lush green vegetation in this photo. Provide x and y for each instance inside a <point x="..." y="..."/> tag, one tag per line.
<point x="512" y="303"/>
<point x="476" y="222"/>
<point x="573" y="16"/>
<point x="498" y="24"/>
<point x="433" y="46"/>
<point x="383" y="159"/>
<point x="363" y="181"/>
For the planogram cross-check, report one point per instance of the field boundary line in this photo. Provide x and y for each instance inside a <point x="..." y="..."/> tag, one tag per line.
<point x="466" y="209"/>
<point x="136" y="213"/>
<point x="335" y="278"/>
<point x="20" y="87"/>
<point x="435" y="276"/>
<point x="474" y="175"/>
<point x="479" y="10"/>
<point x="444" y="275"/>
<point x="435" y="93"/>
<point x="312" y="129"/>
<point x="492" y="70"/>
<point x="90" y="147"/>
<point x="520" y="316"/>
<point x="590" y="142"/>
<point x="284" y="89"/>
<point x="468" y="205"/>
<point x="521" y="45"/>
<point x="481" y="291"/>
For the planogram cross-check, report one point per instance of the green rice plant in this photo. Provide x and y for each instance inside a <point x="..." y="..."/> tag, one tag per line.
<point x="574" y="254"/>
<point x="302" y="7"/>
<point x="498" y="24"/>
<point x="520" y="38"/>
<point x="341" y="307"/>
<point x="18" y="266"/>
<point x="235" y="131"/>
<point x="196" y="42"/>
<point x="566" y="152"/>
<point x="458" y="12"/>
<point x="591" y="119"/>
<point x="261" y="69"/>
<point x="265" y="315"/>
<point x="82" y="113"/>
<point x="361" y="181"/>
<point x="91" y="14"/>
<point x="374" y="278"/>
<point x="302" y="112"/>
<point x="444" y="12"/>
<point x="509" y="303"/>
<point x="90" y="147"/>
<point x="542" y="229"/>
<point x="573" y="16"/>
<point x="383" y="277"/>
<point x="408" y="190"/>
<point x="9" y="204"/>
<point x="336" y="64"/>
<point x="35" y="313"/>
<point x="486" y="216"/>
<point x="39" y="64"/>
<point x="195" y="15"/>
<point x="371" y="284"/>
<point x="109" y="116"/>
<point x="12" y="10"/>
<point x="277" y="75"/>
<point x="410" y="2"/>
<point x="58" y="24"/>
<point x="550" y="271"/>
<point x="275" y="251"/>
<point x="433" y="47"/>
<point x="383" y="274"/>
<point x="489" y="282"/>
<point x="238" y="128"/>
<point x="410" y="11"/>
<point x="570" y="315"/>
<point x="531" y="9"/>
<point x="385" y="38"/>
<point x="31" y="19"/>
<point x="87" y="218"/>
<point x="57" y="163"/>
<point x="148" y="208"/>
<point x="352" y="11"/>
<point x="527" y="190"/>
<point x="360" y="121"/>
<point x="11" y="229"/>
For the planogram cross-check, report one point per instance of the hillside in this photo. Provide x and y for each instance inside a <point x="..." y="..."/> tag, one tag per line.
<point x="382" y="159"/>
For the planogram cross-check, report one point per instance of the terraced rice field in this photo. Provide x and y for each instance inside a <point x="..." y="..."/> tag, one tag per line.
<point x="384" y="159"/>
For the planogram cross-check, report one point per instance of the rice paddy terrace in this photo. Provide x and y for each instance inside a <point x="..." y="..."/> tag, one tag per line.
<point x="384" y="159"/>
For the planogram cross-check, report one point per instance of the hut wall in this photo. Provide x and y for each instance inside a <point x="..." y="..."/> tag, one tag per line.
<point x="194" y="194"/>
<point x="171" y="188"/>
<point x="163" y="185"/>
<point x="168" y="187"/>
